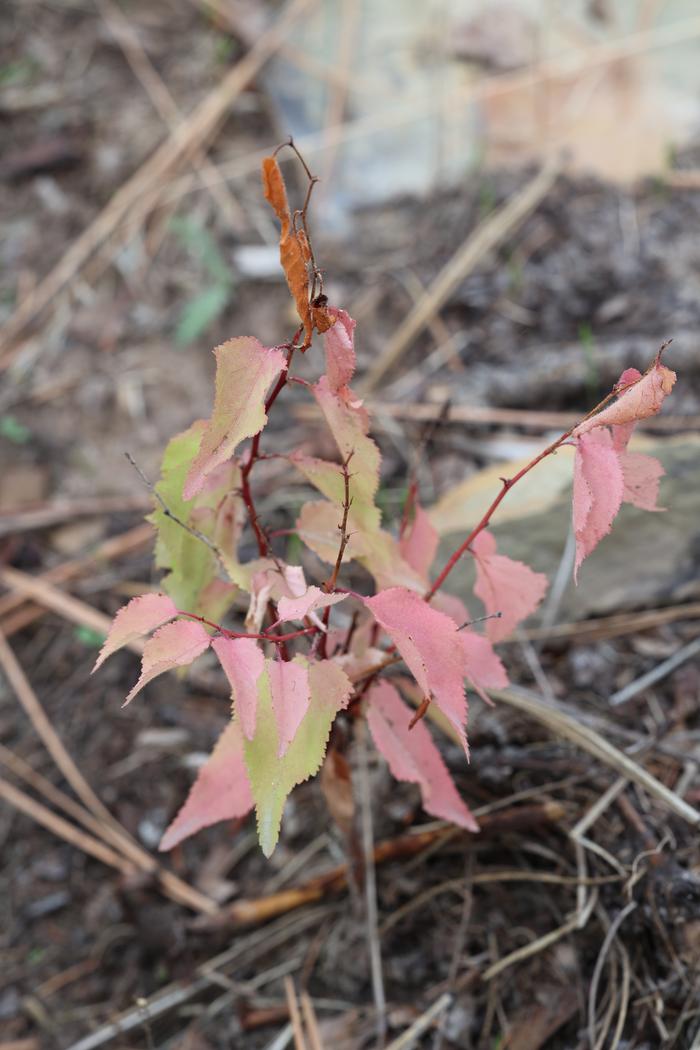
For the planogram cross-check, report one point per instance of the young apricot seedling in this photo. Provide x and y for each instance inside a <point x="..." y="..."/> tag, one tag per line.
<point x="295" y="666"/>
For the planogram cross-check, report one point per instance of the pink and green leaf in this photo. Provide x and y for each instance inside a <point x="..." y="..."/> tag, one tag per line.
<point x="244" y="371"/>
<point x="290" y="693"/>
<point x="272" y="778"/>
<point x="220" y="792"/>
<point x="192" y="563"/>
<point x="317" y="527"/>
<point x="141" y="616"/>
<point x="174" y="645"/>
<point x="243" y="663"/>
<point x="505" y="586"/>
<point x="349" y="424"/>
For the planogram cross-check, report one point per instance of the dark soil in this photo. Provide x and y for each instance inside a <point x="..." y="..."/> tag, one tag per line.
<point x="593" y="281"/>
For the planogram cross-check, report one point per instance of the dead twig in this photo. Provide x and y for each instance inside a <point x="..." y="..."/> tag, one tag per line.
<point x="251" y="911"/>
<point x="174" y="995"/>
<point x="45" y="517"/>
<point x="63" y="828"/>
<point x="656" y="674"/>
<point x="487" y="415"/>
<point x="372" y="916"/>
<point x="167" y="109"/>
<point x="563" y="724"/>
<point x="539" y="944"/>
<point x="311" y="1021"/>
<point x="25" y="611"/>
<point x="614" y="626"/>
<point x="58" y="601"/>
<point x="615" y="925"/>
<point x="421" y="1024"/>
<point x="111" y="830"/>
<point x="294" y="1014"/>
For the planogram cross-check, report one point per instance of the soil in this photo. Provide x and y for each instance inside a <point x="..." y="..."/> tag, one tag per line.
<point x="594" y="280"/>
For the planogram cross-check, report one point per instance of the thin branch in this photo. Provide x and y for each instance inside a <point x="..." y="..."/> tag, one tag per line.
<point x="254" y="454"/>
<point x="64" y="829"/>
<point x="301" y="213"/>
<point x="372" y="916"/>
<point x="508" y="484"/>
<point x="263" y="636"/>
<point x="480" y="619"/>
<point x="112" y="832"/>
<point x="169" y="514"/>
<point x="344" y="534"/>
<point x="251" y="911"/>
<point x="330" y="584"/>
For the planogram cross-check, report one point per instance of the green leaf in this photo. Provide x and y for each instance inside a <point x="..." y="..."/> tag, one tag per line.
<point x="200" y="312"/>
<point x="91" y="639"/>
<point x="272" y="778"/>
<point x="192" y="582"/>
<point x="14" y="431"/>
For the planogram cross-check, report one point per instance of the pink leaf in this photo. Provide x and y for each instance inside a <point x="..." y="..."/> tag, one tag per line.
<point x="641" y="475"/>
<point x="506" y="586"/>
<point x="340" y="351"/>
<point x="484" y="668"/>
<point x="598" y="491"/>
<point x="623" y="431"/>
<point x="220" y="792"/>
<point x="243" y="662"/>
<point x="289" y="688"/>
<point x="641" y="400"/>
<point x="413" y="756"/>
<point x="174" y="645"/>
<point x="429" y="642"/>
<point x="419" y="543"/>
<point x="452" y="607"/>
<point x="314" y="598"/>
<point x="141" y="615"/>
<point x="244" y="371"/>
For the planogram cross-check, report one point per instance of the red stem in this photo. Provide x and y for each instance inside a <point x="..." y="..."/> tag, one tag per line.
<point x="276" y="639"/>
<point x="261" y="538"/>
<point x="508" y="484"/>
<point x="247" y="495"/>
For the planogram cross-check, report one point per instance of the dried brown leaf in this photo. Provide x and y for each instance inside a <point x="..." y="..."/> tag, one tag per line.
<point x="295" y="253"/>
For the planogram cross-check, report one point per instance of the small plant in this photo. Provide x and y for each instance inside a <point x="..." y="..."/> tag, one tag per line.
<point x="293" y="670"/>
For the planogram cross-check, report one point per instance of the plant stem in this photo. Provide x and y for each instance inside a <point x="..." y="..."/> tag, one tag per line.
<point x="330" y="585"/>
<point x="276" y="639"/>
<point x="508" y="484"/>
